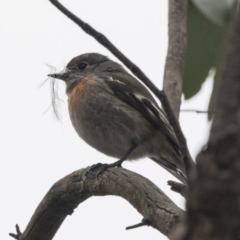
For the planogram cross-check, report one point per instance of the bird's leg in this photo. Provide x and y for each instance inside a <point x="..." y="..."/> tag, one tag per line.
<point x="124" y="157"/>
<point x="115" y="164"/>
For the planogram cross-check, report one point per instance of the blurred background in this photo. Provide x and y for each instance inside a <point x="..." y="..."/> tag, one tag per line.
<point x="36" y="150"/>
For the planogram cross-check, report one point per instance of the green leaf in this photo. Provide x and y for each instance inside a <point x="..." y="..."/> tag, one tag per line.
<point x="218" y="11"/>
<point x="204" y="50"/>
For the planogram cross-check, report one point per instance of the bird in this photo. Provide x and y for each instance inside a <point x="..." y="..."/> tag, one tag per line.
<point x="116" y="114"/>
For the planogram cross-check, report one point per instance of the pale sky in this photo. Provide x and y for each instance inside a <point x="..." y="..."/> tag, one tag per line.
<point x="35" y="149"/>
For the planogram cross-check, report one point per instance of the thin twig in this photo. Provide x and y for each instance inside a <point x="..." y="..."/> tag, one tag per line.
<point x="198" y="111"/>
<point x="139" y="74"/>
<point x="18" y="235"/>
<point x="178" y="187"/>
<point x="141" y="224"/>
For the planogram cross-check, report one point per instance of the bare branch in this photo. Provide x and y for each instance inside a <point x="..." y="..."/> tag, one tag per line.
<point x="18" y="235"/>
<point x="66" y="194"/>
<point x="175" y="60"/>
<point x="213" y="200"/>
<point x="178" y="187"/>
<point x="141" y="224"/>
<point x="198" y="111"/>
<point x="189" y="164"/>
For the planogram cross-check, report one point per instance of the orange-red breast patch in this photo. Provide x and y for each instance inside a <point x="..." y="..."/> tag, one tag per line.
<point x="75" y="89"/>
<point x="78" y="86"/>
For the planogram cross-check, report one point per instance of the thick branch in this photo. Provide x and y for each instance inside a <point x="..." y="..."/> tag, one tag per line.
<point x="65" y="195"/>
<point x="213" y="206"/>
<point x="138" y="73"/>
<point x="175" y="60"/>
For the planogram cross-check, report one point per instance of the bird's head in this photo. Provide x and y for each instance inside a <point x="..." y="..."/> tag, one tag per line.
<point x="85" y="64"/>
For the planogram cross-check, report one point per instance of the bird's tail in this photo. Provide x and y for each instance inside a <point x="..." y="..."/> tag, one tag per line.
<point x="177" y="171"/>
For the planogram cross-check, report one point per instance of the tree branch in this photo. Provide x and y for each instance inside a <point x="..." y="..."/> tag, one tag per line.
<point x="175" y="60"/>
<point x="66" y="194"/>
<point x="178" y="187"/>
<point x="198" y="111"/>
<point x="188" y="162"/>
<point x="213" y="208"/>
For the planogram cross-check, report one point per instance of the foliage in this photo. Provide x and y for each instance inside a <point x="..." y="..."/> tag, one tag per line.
<point x="206" y="45"/>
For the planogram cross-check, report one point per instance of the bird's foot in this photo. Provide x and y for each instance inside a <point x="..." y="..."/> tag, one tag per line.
<point x="104" y="166"/>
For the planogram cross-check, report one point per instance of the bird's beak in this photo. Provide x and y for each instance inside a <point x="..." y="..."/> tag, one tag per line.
<point x="55" y="75"/>
<point x="61" y="76"/>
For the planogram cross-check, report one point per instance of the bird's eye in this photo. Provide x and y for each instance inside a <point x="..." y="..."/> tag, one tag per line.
<point x="82" y="66"/>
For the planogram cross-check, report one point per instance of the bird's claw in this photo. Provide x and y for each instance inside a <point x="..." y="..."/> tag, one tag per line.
<point x="99" y="166"/>
<point x="104" y="166"/>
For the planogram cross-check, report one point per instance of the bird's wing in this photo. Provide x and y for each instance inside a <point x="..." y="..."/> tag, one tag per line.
<point x="144" y="105"/>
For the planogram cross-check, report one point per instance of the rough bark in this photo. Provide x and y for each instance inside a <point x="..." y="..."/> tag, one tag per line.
<point x="65" y="195"/>
<point x="213" y="208"/>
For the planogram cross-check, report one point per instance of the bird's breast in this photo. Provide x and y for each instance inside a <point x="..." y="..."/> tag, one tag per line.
<point x="75" y="90"/>
<point x="103" y="121"/>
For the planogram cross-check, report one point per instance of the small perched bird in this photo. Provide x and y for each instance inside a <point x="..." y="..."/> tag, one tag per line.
<point x="114" y="113"/>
